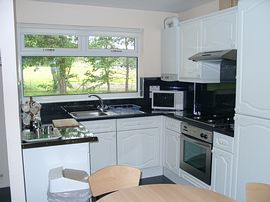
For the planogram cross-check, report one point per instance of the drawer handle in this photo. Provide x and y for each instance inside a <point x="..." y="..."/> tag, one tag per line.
<point x="223" y="142"/>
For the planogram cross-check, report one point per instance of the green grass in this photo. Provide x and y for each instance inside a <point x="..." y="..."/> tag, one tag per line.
<point x="38" y="81"/>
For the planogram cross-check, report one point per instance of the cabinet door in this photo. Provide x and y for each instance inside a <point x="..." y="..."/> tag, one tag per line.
<point x="251" y="158"/>
<point x="103" y="152"/>
<point x="38" y="162"/>
<point x="219" y="31"/>
<point x="222" y="172"/>
<point x="139" y="148"/>
<point x="252" y="97"/>
<point x="191" y="39"/>
<point x="172" y="150"/>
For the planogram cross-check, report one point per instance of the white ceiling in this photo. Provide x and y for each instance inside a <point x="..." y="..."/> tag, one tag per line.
<point x="153" y="5"/>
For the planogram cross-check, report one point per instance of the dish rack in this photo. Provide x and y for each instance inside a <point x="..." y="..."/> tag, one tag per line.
<point x="125" y="109"/>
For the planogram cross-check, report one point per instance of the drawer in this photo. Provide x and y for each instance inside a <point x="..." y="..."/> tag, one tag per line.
<point x="100" y="126"/>
<point x="173" y="124"/>
<point x="138" y="123"/>
<point x="223" y="142"/>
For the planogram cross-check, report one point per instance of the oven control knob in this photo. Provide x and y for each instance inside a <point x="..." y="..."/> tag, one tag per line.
<point x="203" y="135"/>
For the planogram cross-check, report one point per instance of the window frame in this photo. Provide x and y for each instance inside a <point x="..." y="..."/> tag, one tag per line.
<point x="83" y="50"/>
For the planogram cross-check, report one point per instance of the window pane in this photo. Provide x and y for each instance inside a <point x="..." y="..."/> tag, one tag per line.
<point x="47" y="75"/>
<point x="50" y="41"/>
<point x="123" y="43"/>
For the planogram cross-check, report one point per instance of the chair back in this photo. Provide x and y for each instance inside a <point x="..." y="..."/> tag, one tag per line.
<point x="113" y="178"/>
<point x="258" y="192"/>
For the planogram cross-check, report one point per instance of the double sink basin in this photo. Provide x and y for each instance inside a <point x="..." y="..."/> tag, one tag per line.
<point x="86" y="112"/>
<point x="90" y="114"/>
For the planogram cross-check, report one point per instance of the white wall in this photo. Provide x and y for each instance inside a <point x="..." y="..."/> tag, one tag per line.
<point x="200" y="10"/>
<point x="67" y="14"/>
<point x="10" y="100"/>
<point x="4" y="179"/>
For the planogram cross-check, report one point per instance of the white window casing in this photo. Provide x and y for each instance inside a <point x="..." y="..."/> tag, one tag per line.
<point x="83" y="34"/>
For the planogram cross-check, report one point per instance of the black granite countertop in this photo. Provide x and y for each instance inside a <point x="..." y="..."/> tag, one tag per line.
<point x="179" y="115"/>
<point x="69" y="137"/>
<point x="60" y="136"/>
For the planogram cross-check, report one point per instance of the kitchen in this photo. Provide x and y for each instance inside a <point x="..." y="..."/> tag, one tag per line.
<point x="150" y="62"/>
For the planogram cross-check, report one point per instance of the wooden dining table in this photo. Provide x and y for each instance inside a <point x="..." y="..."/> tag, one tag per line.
<point x="165" y="193"/>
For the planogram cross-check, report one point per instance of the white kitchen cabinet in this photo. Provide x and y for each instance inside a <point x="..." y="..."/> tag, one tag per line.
<point x="251" y="159"/>
<point x="222" y="162"/>
<point x="139" y="142"/>
<point x="191" y="43"/>
<point x="252" y="97"/>
<point x="38" y="162"/>
<point x="219" y="31"/>
<point x="103" y="152"/>
<point x="213" y="32"/>
<point x="172" y="145"/>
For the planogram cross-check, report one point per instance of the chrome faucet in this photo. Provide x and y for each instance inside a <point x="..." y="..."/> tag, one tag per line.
<point x="101" y="105"/>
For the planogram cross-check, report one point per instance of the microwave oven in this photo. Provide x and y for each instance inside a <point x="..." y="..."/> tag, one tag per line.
<point x="168" y="100"/>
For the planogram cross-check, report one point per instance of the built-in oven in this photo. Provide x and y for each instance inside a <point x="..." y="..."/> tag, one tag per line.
<point x="196" y="155"/>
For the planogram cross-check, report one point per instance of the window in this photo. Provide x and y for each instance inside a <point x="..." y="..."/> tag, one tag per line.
<point x="77" y="61"/>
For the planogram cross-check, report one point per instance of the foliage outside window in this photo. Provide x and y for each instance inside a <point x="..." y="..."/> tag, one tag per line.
<point x="62" y="64"/>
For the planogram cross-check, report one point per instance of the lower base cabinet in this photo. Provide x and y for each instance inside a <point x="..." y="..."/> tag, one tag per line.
<point x="139" y="142"/>
<point x="222" y="172"/>
<point x="172" y="145"/>
<point x="222" y="163"/>
<point x="39" y="161"/>
<point x="103" y="152"/>
<point x="139" y="148"/>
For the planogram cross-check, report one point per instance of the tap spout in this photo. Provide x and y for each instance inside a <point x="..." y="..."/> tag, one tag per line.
<point x="101" y="103"/>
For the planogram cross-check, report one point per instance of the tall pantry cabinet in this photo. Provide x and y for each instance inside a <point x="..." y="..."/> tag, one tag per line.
<point x="252" y="120"/>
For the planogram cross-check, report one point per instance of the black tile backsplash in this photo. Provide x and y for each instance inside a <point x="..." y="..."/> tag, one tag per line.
<point x="216" y="98"/>
<point x="210" y="98"/>
<point x="172" y="85"/>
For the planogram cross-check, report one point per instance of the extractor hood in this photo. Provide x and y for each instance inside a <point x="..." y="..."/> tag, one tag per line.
<point x="215" y="55"/>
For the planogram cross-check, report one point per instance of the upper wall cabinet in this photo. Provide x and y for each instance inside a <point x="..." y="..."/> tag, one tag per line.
<point x="219" y="31"/>
<point x="191" y="42"/>
<point x="213" y="32"/>
<point x="252" y="97"/>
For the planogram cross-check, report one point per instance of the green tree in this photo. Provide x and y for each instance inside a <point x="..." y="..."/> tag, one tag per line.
<point x="102" y="64"/>
<point x="105" y="64"/>
<point x="60" y="66"/>
<point x="128" y="63"/>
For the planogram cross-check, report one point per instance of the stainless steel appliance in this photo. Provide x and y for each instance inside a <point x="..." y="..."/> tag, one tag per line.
<point x="215" y="55"/>
<point x="220" y="64"/>
<point x="197" y="142"/>
<point x="195" y="151"/>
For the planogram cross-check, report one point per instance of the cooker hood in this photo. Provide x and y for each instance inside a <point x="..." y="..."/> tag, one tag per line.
<point x="215" y="55"/>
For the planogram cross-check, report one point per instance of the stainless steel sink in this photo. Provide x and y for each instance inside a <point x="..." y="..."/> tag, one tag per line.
<point x="90" y="114"/>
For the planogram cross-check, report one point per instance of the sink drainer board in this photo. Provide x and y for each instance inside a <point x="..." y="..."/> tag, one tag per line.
<point x="30" y="136"/>
<point x="125" y="108"/>
<point x="63" y="123"/>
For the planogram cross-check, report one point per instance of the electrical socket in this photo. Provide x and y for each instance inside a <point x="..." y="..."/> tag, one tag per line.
<point x="153" y="88"/>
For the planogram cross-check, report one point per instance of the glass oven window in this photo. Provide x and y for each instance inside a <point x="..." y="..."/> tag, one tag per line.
<point x="195" y="156"/>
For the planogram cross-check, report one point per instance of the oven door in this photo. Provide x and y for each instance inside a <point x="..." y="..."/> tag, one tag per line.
<point x="196" y="158"/>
